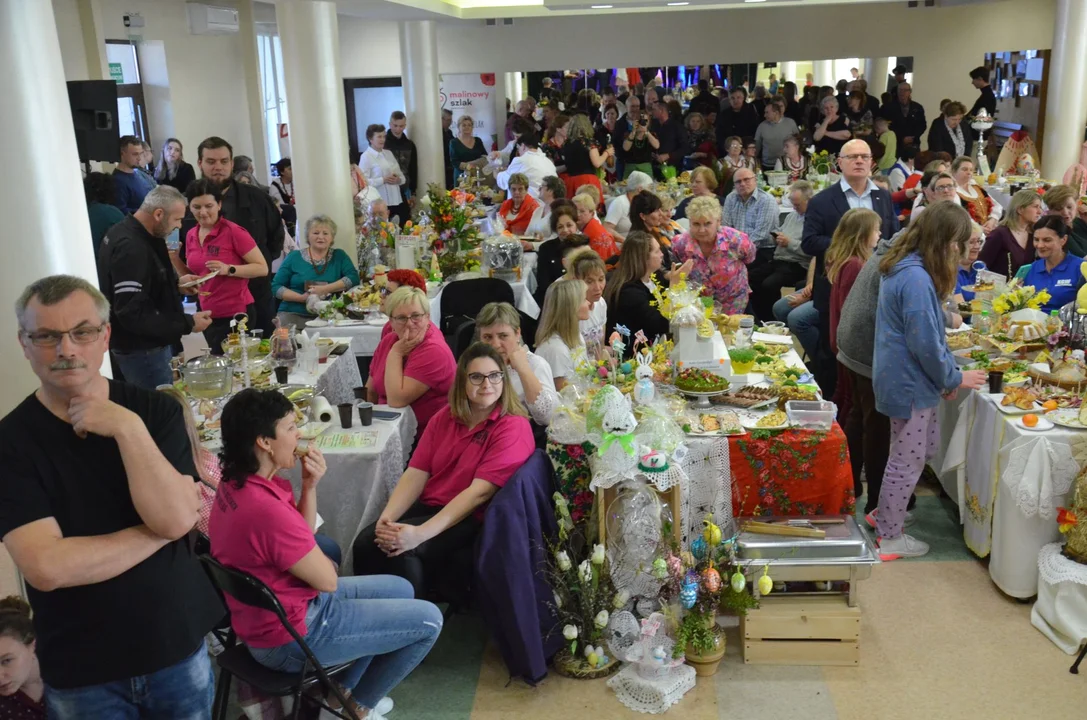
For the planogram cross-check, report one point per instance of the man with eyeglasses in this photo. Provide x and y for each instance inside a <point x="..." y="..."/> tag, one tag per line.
<point x="938" y="187"/>
<point x="96" y="503"/>
<point x="825" y="211"/>
<point x="141" y="286"/>
<point x="753" y="212"/>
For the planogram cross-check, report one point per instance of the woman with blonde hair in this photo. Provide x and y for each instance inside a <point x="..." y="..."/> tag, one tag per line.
<point x="581" y="156"/>
<point x="585" y="265"/>
<point x="716" y="256"/>
<point x="912" y="367"/>
<point x="600" y="240"/>
<point x="1010" y="246"/>
<point x="467" y="454"/>
<point x="172" y="169"/>
<point x="1062" y="200"/>
<point x="465" y="149"/>
<point x="413" y="364"/>
<point x="558" y="337"/>
<point x="701" y="141"/>
<point x="316" y="271"/>
<point x="850" y="247"/>
<point x="498" y="324"/>
<point x="703" y="184"/>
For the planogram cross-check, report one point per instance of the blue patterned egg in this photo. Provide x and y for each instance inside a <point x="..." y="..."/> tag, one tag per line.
<point x="698" y="547"/>
<point x="688" y="595"/>
<point x="626" y="367"/>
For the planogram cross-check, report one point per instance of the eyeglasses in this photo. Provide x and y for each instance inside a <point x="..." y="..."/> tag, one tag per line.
<point x="944" y="188"/>
<point x="82" y="335"/>
<point x="405" y="319"/>
<point x="477" y="379"/>
<point x="854" y="158"/>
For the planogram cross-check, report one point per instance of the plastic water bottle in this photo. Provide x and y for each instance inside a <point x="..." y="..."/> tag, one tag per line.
<point x="984" y="324"/>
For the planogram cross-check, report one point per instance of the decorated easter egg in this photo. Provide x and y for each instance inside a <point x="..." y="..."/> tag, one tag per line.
<point x="738" y="581"/>
<point x="675" y="567"/>
<point x="711" y="533"/>
<point x="660" y="569"/>
<point x="593" y="659"/>
<point x="626" y="367"/>
<point x="688" y="595"/>
<point x="766" y="585"/>
<point x="698" y="548"/>
<point x="711" y="580"/>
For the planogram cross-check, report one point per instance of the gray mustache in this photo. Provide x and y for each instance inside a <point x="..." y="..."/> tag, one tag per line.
<point x="68" y="365"/>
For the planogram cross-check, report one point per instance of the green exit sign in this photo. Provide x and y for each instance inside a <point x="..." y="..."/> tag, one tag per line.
<point x="116" y="73"/>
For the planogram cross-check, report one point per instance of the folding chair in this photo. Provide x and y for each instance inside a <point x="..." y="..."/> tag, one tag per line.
<point x="236" y="660"/>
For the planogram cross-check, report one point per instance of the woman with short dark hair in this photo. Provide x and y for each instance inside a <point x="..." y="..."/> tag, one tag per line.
<point x="383" y="173"/>
<point x="256" y="526"/>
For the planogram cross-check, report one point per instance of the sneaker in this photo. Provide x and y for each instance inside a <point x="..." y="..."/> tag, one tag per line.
<point x="900" y="547"/>
<point x="384" y="707"/>
<point x="870" y="518"/>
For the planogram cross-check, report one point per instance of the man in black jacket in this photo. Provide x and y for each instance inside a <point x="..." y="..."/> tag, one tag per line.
<point x="403" y="150"/>
<point x="979" y="78"/>
<point x="251" y="208"/>
<point x="672" y="136"/>
<point x="738" y="118"/>
<point x="447" y="137"/>
<point x="704" y="102"/>
<point x="907" y="117"/>
<point x="825" y="211"/>
<point x="136" y="277"/>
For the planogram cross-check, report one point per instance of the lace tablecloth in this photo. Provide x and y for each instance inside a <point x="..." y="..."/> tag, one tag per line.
<point x="1060" y="613"/>
<point x="358" y="482"/>
<point x="1014" y="481"/>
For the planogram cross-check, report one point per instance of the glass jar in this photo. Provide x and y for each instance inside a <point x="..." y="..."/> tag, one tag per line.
<point x="208" y="376"/>
<point x="283" y="349"/>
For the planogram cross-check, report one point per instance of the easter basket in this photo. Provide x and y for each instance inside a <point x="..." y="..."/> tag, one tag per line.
<point x="578" y="668"/>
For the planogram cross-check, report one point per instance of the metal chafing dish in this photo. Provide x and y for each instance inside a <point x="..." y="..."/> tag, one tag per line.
<point x="847" y="553"/>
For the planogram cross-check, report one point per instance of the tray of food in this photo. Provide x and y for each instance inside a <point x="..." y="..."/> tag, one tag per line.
<point x="961" y="341"/>
<point x="700" y="381"/>
<point x="775" y="420"/>
<point x="724" y="423"/>
<point x="750" y="397"/>
<point x="1016" y="401"/>
<point x="1072" y="419"/>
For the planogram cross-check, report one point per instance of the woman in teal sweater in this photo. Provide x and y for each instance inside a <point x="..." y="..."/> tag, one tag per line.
<point x="315" y="270"/>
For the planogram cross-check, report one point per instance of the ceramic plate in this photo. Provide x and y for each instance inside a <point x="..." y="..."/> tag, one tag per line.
<point x="317" y="323"/>
<point x="1043" y="424"/>
<point x="1065" y="418"/>
<point x="998" y="398"/>
<point x="751" y="423"/>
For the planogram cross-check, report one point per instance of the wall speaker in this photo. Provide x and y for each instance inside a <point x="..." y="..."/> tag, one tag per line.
<point x="94" y="115"/>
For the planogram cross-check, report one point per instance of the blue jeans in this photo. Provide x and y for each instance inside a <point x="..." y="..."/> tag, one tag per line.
<point x="372" y="620"/>
<point x="180" y="692"/>
<point x="146" y="368"/>
<point x="803" y="321"/>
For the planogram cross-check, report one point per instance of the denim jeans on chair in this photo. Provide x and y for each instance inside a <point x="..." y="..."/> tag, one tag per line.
<point x="803" y="321"/>
<point x="146" y="368"/>
<point x="372" y="620"/>
<point x="180" y="692"/>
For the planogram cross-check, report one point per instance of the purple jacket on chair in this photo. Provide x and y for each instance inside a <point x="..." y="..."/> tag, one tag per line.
<point x="511" y="587"/>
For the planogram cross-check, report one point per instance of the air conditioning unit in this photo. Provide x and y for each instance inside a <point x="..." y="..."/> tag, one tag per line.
<point x="211" y="20"/>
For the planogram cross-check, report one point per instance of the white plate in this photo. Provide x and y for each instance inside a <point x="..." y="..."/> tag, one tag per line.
<point x="1065" y="417"/>
<point x="1011" y="409"/>
<point x="318" y="323"/>
<point x="1043" y="424"/>
<point x="751" y="423"/>
<point x="199" y="281"/>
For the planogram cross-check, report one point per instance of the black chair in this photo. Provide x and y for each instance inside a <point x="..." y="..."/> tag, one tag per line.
<point x="462" y="300"/>
<point x="236" y="660"/>
<point x="463" y="337"/>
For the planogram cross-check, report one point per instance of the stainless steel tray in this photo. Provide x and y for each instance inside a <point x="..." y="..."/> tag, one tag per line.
<point x="845" y="544"/>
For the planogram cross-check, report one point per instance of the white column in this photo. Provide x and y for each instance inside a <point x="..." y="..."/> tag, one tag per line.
<point x="875" y="71"/>
<point x="503" y="90"/>
<point x="788" y="71"/>
<point x="1066" y="106"/>
<point x="318" y="118"/>
<point x="94" y="38"/>
<point x="46" y="231"/>
<point x="824" y="72"/>
<point x="254" y="98"/>
<point x="419" y="68"/>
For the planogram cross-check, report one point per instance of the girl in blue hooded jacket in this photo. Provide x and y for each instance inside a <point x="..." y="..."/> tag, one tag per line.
<point x="912" y="365"/>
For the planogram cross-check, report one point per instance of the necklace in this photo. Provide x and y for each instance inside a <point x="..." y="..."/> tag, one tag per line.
<point x="319" y="266"/>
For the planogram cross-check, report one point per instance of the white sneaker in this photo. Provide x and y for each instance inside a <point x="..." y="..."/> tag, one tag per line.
<point x="384" y="707"/>
<point x="870" y="518"/>
<point x="901" y="547"/>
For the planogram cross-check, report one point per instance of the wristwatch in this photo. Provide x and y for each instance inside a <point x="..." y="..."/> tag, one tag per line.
<point x="233" y="269"/>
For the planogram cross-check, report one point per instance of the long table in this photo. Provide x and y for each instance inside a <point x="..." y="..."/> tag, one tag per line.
<point x="1008" y="482"/>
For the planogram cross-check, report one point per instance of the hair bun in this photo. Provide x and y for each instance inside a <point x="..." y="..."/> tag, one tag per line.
<point x="15" y="604"/>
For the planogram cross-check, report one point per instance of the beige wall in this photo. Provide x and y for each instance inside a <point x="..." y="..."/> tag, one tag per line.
<point x="944" y="42"/>
<point x="70" y="35"/>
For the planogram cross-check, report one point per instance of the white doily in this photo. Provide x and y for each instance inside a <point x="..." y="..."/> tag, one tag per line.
<point x="1054" y="568"/>
<point x="709" y="486"/>
<point x="651" y="696"/>
<point x="1039" y="474"/>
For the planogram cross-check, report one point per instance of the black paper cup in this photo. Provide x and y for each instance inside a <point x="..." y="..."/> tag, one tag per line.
<point x="345" y="413"/>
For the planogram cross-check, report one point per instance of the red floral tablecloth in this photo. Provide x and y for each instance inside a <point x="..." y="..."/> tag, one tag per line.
<point x="794" y="472"/>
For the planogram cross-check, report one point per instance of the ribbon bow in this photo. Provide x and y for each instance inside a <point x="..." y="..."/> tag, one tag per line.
<point x="626" y="441"/>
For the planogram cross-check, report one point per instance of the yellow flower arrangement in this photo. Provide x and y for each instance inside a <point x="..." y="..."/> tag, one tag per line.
<point x="1020" y="298"/>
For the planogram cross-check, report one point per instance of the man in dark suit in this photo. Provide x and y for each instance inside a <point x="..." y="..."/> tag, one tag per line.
<point x="825" y="210"/>
<point x="907" y="117"/>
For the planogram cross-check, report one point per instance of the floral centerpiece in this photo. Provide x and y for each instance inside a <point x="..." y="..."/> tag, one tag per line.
<point x="1020" y="298"/>
<point x="374" y="243"/>
<point x="451" y="225"/>
<point x="820" y="163"/>
<point x="583" y="599"/>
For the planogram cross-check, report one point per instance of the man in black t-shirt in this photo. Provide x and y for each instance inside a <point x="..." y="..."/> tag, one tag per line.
<point x="97" y="500"/>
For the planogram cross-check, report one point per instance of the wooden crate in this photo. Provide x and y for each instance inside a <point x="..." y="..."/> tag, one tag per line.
<point x="802" y="630"/>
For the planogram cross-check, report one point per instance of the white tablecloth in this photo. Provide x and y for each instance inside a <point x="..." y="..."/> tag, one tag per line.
<point x="999" y="194"/>
<point x="336" y="378"/>
<point x="1014" y="480"/>
<point x="363" y="335"/>
<point x="522" y="298"/>
<point x="358" y="482"/>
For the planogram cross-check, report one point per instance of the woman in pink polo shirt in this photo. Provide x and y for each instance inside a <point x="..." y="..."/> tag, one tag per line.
<point x="412" y="365"/>
<point x="257" y="527"/>
<point x="468" y="451"/>
<point x="220" y="246"/>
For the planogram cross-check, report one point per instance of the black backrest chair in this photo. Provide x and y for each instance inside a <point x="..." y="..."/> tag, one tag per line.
<point x="236" y="660"/>
<point x="462" y="300"/>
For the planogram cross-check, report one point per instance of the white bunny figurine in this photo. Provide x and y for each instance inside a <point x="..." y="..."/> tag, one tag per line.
<point x="644" y="390"/>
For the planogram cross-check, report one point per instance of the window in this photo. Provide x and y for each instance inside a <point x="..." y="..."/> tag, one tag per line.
<point x="124" y="67"/>
<point x="273" y="93"/>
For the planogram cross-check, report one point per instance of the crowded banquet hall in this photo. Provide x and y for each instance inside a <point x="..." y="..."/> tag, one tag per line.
<point x="446" y="373"/>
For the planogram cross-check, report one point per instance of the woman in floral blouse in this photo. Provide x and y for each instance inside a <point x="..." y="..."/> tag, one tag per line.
<point x="720" y="255"/>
